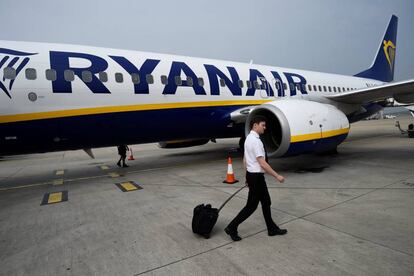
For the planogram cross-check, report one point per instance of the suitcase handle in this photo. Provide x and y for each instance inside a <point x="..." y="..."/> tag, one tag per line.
<point x="235" y="193"/>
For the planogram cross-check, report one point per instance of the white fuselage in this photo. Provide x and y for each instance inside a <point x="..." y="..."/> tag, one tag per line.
<point x="56" y="97"/>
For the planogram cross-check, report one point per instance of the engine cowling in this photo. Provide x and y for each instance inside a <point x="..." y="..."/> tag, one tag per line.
<point x="297" y="126"/>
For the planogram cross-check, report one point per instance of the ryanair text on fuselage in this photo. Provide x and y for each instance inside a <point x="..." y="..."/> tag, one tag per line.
<point x="59" y="61"/>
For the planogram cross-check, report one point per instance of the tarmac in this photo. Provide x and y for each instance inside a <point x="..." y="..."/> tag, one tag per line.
<point x="351" y="213"/>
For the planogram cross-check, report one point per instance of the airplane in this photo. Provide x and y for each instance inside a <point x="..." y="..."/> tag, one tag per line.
<point x="57" y="97"/>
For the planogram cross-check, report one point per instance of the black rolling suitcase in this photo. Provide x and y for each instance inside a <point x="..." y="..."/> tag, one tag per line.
<point x="205" y="217"/>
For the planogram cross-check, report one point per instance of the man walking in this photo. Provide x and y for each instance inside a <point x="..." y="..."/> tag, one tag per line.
<point x="256" y="165"/>
<point x="122" y="149"/>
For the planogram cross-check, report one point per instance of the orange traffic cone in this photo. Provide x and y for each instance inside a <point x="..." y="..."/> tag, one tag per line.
<point x="131" y="157"/>
<point x="230" y="174"/>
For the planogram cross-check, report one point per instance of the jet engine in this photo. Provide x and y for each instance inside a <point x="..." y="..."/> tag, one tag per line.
<point x="297" y="126"/>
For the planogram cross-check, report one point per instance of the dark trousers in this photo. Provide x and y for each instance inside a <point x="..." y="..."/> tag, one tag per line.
<point x="257" y="193"/>
<point x="122" y="158"/>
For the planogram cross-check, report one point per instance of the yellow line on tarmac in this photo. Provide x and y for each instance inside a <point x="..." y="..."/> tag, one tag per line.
<point x="58" y="182"/>
<point x="102" y="176"/>
<point x="60" y="172"/>
<point x="25" y="186"/>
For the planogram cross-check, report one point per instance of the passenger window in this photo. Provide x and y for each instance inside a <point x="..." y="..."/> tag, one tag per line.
<point x="149" y="78"/>
<point x="334" y="89"/>
<point x="51" y="74"/>
<point x="69" y="75"/>
<point x="329" y="89"/>
<point x="314" y="88"/>
<point x="249" y="84"/>
<point x="87" y="76"/>
<point x="309" y="87"/>
<point x="292" y="87"/>
<point x="320" y="88"/>
<point x="9" y="73"/>
<point x="119" y="77"/>
<point x="298" y="86"/>
<point x="201" y="82"/>
<point x="164" y="79"/>
<point x="240" y="83"/>
<point x="30" y="73"/>
<point x="103" y="76"/>
<point x="135" y="78"/>
<point x="339" y="89"/>
<point x="256" y="84"/>
<point x="222" y="83"/>
<point x="324" y="88"/>
<point x="303" y="87"/>
<point x="190" y="81"/>
<point x="178" y="80"/>
<point x="277" y="84"/>
<point x="284" y="86"/>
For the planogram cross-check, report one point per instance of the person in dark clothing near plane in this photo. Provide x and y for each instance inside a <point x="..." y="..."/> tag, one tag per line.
<point x="122" y="149"/>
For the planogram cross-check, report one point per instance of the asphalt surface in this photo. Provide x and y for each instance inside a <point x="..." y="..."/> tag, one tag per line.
<point x="347" y="214"/>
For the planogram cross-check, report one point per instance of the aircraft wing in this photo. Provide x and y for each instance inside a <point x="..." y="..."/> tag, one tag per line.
<point x="402" y="91"/>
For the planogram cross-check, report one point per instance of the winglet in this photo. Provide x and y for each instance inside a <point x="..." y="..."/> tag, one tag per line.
<point x="383" y="66"/>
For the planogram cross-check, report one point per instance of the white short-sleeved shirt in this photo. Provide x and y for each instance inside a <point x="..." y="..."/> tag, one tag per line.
<point x="253" y="148"/>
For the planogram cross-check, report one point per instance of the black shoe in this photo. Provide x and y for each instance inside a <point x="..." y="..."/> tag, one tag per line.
<point x="119" y="164"/>
<point x="277" y="231"/>
<point x="233" y="235"/>
<point x="125" y="166"/>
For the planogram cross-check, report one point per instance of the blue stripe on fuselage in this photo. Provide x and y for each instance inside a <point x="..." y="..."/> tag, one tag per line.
<point x="116" y="128"/>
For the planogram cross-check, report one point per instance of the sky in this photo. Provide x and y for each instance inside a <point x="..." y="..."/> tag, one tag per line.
<point x="321" y="35"/>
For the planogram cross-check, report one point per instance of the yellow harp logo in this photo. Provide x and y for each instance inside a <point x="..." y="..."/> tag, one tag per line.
<point x="389" y="50"/>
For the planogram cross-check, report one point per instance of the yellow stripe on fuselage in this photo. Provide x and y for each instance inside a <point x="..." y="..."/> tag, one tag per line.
<point x="318" y="135"/>
<point x="115" y="109"/>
